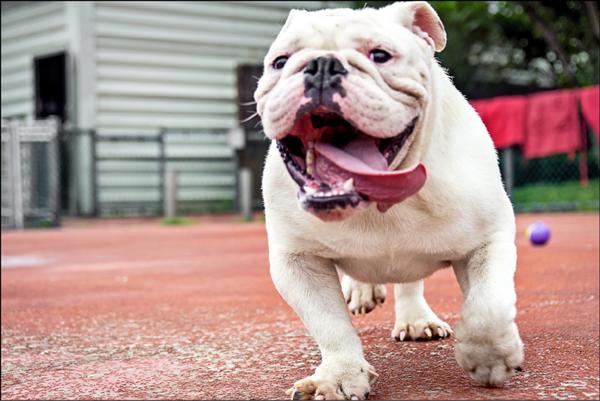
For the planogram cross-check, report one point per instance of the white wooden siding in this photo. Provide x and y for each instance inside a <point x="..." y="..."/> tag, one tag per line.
<point x="183" y="52"/>
<point x="28" y="31"/>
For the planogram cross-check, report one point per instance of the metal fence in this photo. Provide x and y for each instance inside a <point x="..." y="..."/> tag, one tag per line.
<point x="129" y="172"/>
<point x="30" y="173"/>
<point x="557" y="183"/>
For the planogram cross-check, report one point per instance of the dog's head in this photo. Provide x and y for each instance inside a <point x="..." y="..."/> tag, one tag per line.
<point x="343" y="93"/>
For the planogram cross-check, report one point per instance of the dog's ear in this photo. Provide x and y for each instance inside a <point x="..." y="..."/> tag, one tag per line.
<point x="421" y="18"/>
<point x="293" y="13"/>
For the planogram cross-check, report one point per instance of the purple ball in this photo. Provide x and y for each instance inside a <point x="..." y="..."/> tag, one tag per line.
<point x="538" y="233"/>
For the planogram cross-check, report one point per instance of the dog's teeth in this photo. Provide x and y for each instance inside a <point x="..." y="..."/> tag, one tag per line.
<point x="310" y="158"/>
<point x="348" y="185"/>
<point x="309" y="190"/>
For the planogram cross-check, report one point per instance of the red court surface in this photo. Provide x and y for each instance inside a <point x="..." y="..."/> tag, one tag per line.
<point x="148" y="311"/>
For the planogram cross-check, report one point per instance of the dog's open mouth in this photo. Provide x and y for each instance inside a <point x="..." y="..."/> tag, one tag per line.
<point x="337" y="166"/>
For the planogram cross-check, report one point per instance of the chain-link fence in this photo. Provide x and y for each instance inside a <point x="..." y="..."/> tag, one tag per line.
<point x="30" y="173"/>
<point x="561" y="182"/>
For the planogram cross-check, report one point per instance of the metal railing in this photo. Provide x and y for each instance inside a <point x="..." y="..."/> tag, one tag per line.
<point x="130" y="172"/>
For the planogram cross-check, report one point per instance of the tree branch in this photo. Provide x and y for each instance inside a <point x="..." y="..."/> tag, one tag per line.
<point x="592" y="12"/>
<point x="550" y="37"/>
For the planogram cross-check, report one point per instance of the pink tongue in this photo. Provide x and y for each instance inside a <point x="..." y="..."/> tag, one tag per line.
<point x="365" y="150"/>
<point x="362" y="161"/>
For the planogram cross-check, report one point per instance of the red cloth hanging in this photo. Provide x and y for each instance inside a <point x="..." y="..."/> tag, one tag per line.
<point x="504" y="117"/>
<point x="590" y="107"/>
<point x="552" y="124"/>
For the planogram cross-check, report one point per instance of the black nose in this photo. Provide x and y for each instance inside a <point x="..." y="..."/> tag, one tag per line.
<point x="323" y="74"/>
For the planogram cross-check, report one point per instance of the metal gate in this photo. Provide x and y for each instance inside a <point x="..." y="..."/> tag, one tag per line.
<point x="30" y="173"/>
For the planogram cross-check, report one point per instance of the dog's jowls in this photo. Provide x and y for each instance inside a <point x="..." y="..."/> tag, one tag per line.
<point x="379" y="169"/>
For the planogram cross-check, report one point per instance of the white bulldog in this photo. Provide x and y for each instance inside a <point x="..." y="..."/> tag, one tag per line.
<point x="381" y="170"/>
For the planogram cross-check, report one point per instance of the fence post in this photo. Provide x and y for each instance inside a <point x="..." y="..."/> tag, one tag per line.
<point x="245" y="191"/>
<point x="15" y="168"/>
<point x="170" y="194"/>
<point x="583" y="153"/>
<point x="508" y="171"/>
<point x="94" y="157"/>
<point x="162" y="168"/>
<point x="54" y="173"/>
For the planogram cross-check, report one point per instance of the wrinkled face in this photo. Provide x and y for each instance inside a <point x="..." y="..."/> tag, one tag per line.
<point x="343" y="94"/>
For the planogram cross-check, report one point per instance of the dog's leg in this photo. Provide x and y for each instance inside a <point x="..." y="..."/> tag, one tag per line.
<point x="414" y="318"/>
<point x="362" y="297"/>
<point x="311" y="286"/>
<point x="489" y="347"/>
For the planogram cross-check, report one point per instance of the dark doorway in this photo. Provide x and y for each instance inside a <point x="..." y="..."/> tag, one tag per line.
<point x="50" y="86"/>
<point x="51" y="100"/>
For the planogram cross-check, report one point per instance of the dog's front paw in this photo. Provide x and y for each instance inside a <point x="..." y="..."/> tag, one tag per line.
<point x="489" y="357"/>
<point x="336" y="379"/>
<point x="362" y="298"/>
<point x="418" y="322"/>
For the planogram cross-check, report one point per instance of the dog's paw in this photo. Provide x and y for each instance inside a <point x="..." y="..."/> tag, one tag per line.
<point x="362" y="298"/>
<point x="418" y="322"/>
<point x="336" y="379"/>
<point x="489" y="358"/>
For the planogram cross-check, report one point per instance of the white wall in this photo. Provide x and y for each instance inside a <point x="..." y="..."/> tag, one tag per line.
<point x="28" y="31"/>
<point x="173" y="63"/>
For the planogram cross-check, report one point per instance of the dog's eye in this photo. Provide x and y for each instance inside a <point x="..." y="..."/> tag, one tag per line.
<point x="379" y="56"/>
<point x="279" y="62"/>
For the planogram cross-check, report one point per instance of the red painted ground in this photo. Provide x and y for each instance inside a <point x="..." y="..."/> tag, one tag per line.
<point x="146" y="311"/>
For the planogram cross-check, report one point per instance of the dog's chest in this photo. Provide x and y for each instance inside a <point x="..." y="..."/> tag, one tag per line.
<point x="383" y="236"/>
<point x="387" y="257"/>
<point x="402" y="268"/>
<point x="390" y="253"/>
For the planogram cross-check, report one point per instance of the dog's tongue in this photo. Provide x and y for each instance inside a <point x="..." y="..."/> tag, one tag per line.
<point x="364" y="163"/>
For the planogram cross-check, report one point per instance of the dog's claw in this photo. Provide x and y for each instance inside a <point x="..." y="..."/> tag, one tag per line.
<point x="429" y="330"/>
<point x="294" y="394"/>
<point x="411" y="332"/>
